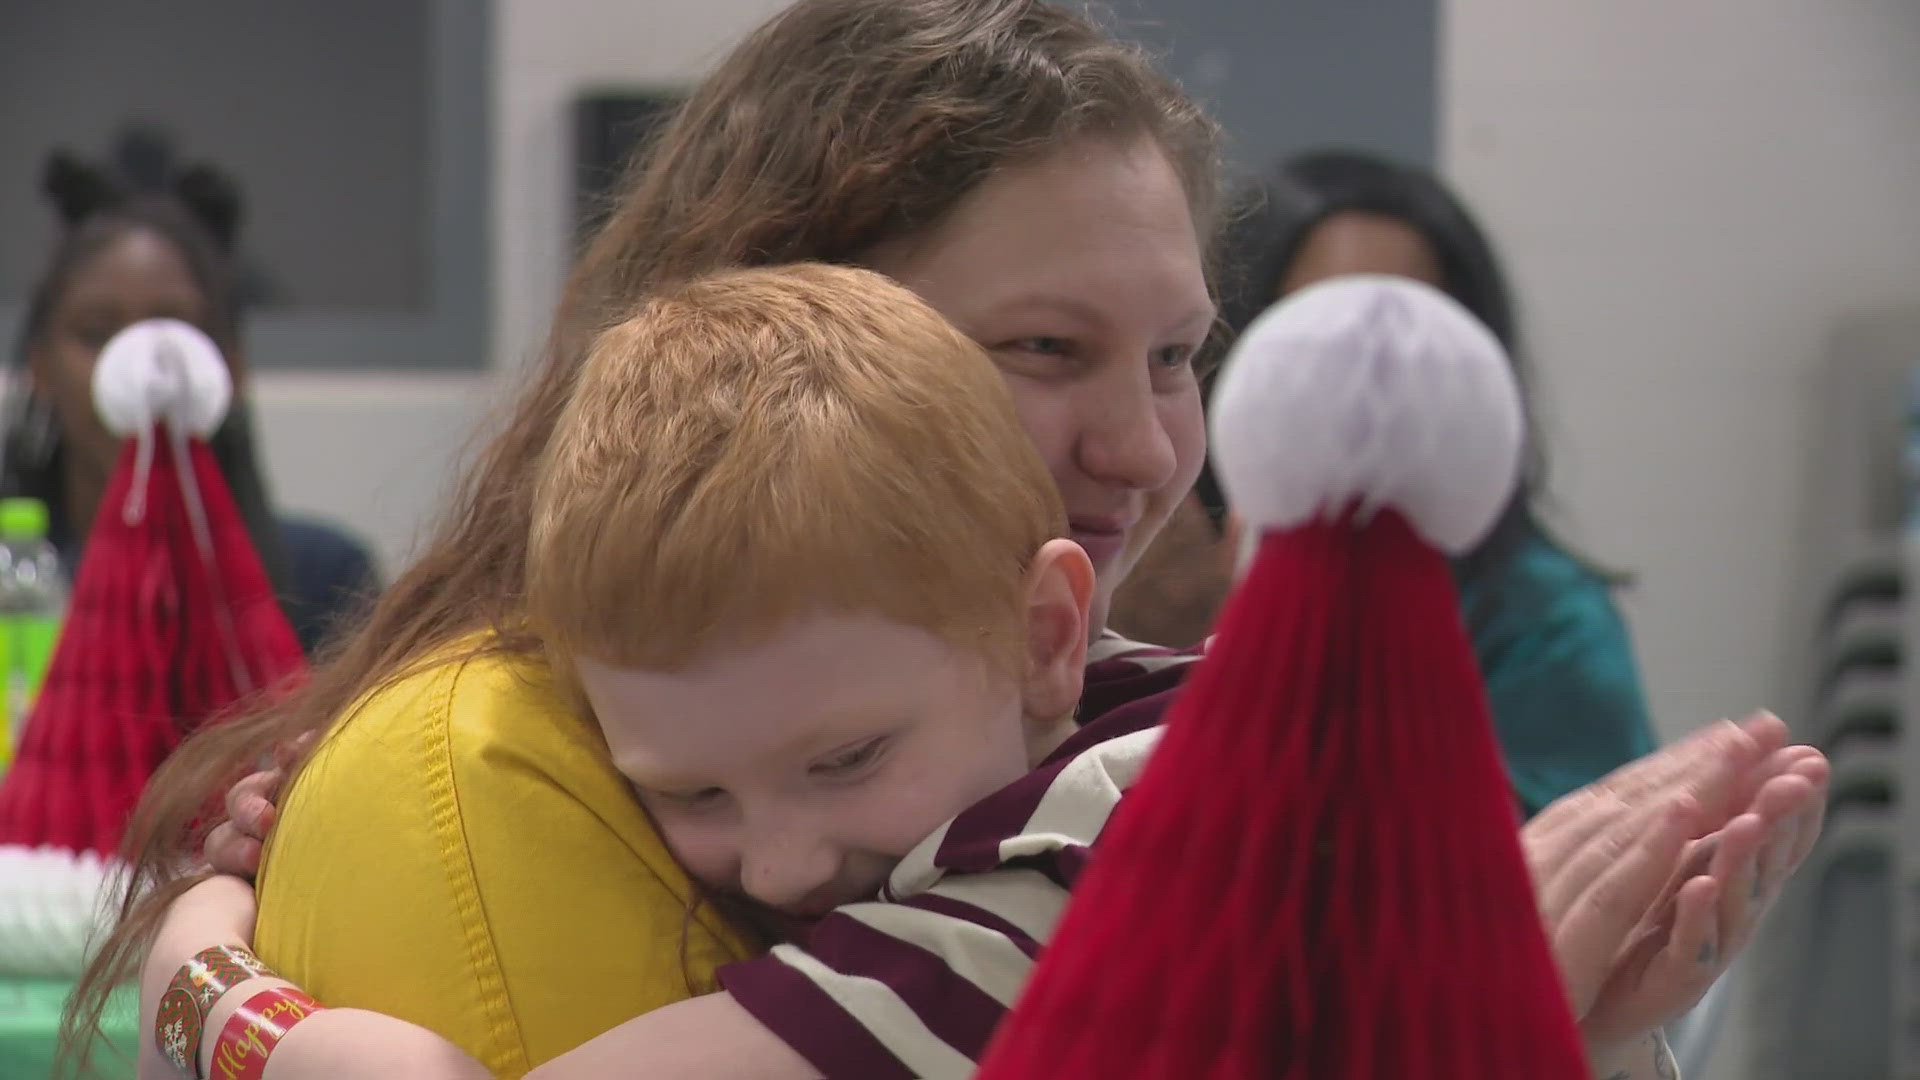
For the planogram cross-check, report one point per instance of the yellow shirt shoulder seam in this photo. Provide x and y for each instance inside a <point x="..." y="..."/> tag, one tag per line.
<point x="506" y="1050"/>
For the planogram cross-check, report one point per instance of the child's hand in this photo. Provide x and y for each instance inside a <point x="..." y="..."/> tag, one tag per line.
<point x="234" y="845"/>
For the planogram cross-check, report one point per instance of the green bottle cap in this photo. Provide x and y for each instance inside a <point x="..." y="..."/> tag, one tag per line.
<point x="23" y="519"/>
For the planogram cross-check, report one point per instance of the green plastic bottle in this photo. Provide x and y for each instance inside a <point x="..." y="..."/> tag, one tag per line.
<point x="33" y="598"/>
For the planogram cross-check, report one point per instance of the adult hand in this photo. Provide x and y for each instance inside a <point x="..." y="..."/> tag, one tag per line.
<point x="1712" y="905"/>
<point x="1647" y="880"/>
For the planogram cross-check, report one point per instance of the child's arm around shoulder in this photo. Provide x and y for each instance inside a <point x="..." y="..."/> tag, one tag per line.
<point x="329" y="1043"/>
<point x="707" y="1036"/>
<point x="710" y="1036"/>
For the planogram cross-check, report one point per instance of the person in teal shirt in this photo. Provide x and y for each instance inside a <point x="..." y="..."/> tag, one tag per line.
<point x="1559" y="668"/>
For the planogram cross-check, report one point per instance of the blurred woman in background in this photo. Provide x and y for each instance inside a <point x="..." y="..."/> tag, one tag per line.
<point x="1559" y="668"/>
<point x="144" y="238"/>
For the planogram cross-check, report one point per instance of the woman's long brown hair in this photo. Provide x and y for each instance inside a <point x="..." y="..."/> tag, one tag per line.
<point x="837" y="125"/>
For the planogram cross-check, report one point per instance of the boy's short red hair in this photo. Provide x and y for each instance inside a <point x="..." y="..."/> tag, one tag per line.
<point x="760" y="444"/>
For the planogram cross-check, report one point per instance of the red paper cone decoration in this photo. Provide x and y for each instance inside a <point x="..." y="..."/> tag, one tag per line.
<point x="1319" y="875"/>
<point x="172" y="620"/>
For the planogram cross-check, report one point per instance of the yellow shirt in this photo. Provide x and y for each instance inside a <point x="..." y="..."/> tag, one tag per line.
<point x="462" y="853"/>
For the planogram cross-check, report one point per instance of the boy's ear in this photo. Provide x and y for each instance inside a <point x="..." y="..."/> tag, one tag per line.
<point x="1059" y="589"/>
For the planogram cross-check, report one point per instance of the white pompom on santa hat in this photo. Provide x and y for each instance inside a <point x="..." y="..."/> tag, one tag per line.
<point x="1386" y="393"/>
<point x="161" y="371"/>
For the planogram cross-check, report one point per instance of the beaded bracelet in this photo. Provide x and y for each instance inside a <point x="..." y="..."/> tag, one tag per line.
<point x="200" y="982"/>
<point x="256" y="1028"/>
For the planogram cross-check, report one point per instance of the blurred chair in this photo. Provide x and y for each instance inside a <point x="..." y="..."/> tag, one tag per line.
<point x="1834" y="982"/>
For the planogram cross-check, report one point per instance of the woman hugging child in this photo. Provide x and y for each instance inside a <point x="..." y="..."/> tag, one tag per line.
<point x="794" y="556"/>
<point x="794" y="552"/>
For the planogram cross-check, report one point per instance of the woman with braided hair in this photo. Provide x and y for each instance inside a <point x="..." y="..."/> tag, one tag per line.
<point x="144" y="236"/>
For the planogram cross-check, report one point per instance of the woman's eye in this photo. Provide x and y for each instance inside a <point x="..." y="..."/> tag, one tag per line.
<point x="850" y="759"/>
<point x="1044" y="345"/>
<point x="1173" y="356"/>
<point x="95" y="335"/>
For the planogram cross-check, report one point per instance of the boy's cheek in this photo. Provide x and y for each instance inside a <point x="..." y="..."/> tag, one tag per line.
<point x="703" y="858"/>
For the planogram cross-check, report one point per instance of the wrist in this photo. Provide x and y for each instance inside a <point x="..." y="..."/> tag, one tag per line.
<point x="223" y="1011"/>
<point x="186" y="996"/>
<point x="1615" y="1060"/>
<point x="1643" y="1057"/>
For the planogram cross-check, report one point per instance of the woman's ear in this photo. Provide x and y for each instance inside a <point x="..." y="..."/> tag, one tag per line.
<point x="39" y="358"/>
<point x="1232" y="549"/>
<point x="1059" y="590"/>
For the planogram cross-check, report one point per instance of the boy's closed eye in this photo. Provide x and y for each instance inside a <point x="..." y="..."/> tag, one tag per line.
<point x="697" y="799"/>
<point x="851" y="762"/>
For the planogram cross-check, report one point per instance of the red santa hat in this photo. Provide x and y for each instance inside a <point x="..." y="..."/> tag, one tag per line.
<point x="172" y="620"/>
<point x="1318" y="876"/>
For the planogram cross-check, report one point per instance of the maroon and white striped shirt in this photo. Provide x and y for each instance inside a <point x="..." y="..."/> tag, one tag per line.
<point x="912" y="984"/>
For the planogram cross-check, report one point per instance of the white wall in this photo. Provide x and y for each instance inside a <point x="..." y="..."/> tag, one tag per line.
<point x="375" y="454"/>
<point x="1690" y="195"/>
